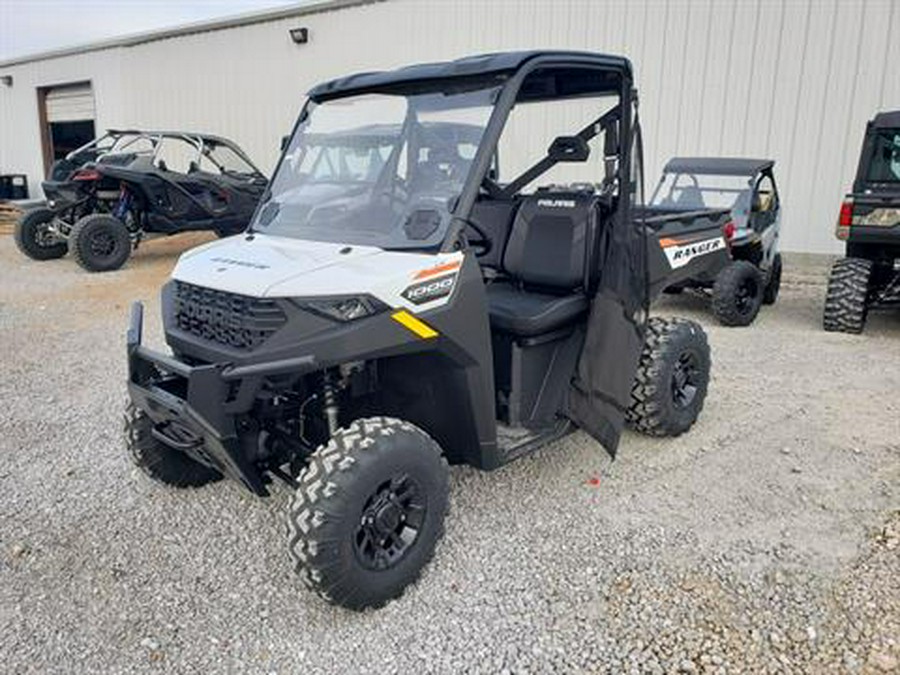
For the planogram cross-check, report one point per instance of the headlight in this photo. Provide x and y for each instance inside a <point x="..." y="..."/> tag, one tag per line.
<point x="344" y="308"/>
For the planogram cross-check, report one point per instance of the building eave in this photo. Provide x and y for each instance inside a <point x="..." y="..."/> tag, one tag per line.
<point x="190" y="29"/>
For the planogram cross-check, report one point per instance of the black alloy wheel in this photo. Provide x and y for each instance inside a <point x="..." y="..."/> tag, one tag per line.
<point x="746" y="296"/>
<point x="686" y="377"/>
<point x="390" y="523"/>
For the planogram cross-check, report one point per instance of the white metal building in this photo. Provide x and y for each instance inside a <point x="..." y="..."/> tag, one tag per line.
<point x="795" y="80"/>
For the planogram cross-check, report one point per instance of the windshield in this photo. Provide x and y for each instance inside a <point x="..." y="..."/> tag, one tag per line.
<point x="884" y="167"/>
<point x="379" y="170"/>
<point x="696" y="192"/>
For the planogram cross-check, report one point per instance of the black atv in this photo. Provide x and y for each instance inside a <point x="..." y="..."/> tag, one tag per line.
<point x="404" y="299"/>
<point x="746" y="187"/>
<point x="869" y="222"/>
<point x="103" y="198"/>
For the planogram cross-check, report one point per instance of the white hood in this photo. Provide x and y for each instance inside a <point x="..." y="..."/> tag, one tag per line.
<point x="253" y="267"/>
<point x="268" y="266"/>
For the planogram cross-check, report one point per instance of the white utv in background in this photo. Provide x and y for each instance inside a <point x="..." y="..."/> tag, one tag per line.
<point x="394" y="307"/>
<point x="746" y="187"/>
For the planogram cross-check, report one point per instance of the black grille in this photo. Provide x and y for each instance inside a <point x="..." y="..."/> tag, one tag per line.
<point x="226" y="318"/>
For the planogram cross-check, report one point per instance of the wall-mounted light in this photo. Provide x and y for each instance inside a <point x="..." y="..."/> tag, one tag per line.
<point x="6" y="80"/>
<point x="300" y="36"/>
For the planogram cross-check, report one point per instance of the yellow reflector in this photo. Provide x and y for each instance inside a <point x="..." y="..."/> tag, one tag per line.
<point x="420" y="328"/>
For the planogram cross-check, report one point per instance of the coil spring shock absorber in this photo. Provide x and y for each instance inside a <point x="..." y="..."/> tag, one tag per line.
<point x="123" y="205"/>
<point x="329" y="399"/>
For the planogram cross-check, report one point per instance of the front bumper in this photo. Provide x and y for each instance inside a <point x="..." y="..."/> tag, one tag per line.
<point x="195" y="409"/>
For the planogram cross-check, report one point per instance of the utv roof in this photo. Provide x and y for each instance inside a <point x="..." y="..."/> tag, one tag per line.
<point x="207" y="138"/>
<point x="727" y="166"/>
<point x="498" y="63"/>
<point x="889" y="120"/>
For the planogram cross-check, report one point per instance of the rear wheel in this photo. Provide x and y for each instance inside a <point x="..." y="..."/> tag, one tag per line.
<point x="845" y="300"/>
<point x="159" y="461"/>
<point x="368" y="512"/>
<point x="672" y="378"/>
<point x="33" y="236"/>
<point x="773" y="285"/>
<point x="737" y="294"/>
<point x="100" y="242"/>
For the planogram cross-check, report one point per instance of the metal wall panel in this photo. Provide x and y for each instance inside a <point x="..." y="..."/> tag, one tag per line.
<point x="795" y="80"/>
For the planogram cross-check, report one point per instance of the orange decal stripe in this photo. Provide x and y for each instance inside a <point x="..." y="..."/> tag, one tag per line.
<point x="666" y="242"/>
<point x="440" y="269"/>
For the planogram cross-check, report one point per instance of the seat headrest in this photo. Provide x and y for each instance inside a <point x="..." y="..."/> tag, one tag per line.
<point x="548" y="240"/>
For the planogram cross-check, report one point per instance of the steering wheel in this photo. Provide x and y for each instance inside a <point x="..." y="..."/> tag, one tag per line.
<point x="481" y="246"/>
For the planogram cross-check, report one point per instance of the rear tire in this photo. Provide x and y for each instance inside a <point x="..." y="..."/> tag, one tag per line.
<point x="770" y="294"/>
<point x="159" y="461"/>
<point x="672" y="378"/>
<point x="368" y="512"/>
<point x="33" y="239"/>
<point x="737" y="294"/>
<point x="846" y="298"/>
<point x="100" y="242"/>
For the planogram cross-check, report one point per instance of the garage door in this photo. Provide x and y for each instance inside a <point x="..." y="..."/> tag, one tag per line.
<point x="71" y="103"/>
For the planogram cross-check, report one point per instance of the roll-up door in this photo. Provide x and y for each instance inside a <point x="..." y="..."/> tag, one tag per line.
<point x="72" y="103"/>
<point x="66" y="114"/>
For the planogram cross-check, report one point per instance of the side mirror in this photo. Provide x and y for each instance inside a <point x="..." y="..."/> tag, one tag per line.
<point x="285" y="141"/>
<point x="569" y="149"/>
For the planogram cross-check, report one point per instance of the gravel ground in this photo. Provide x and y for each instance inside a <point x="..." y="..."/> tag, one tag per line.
<point x="765" y="540"/>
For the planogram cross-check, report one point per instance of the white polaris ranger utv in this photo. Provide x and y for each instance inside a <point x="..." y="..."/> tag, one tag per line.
<point x="396" y="305"/>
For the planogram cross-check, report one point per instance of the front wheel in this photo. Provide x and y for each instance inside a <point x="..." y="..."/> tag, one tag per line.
<point x="672" y="378"/>
<point x="100" y="242"/>
<point x="737" y="294"/>
<point x="368" y="512"/>
<point x="34" y="238"/>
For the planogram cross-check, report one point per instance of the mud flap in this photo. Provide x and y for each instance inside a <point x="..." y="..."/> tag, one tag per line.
<point x="601" y="390"/>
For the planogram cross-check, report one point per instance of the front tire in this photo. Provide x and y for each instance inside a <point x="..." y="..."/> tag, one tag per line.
<point x="770" y="293"/>
<point x="737" y="294"/>
<point x="846" y="304"/>
<point x="159" y="461"/>
<point x="100" y="242"/>
<point x="672" y="378"/>
<point x="368" y="512"/>
<point x="34" y="239"/>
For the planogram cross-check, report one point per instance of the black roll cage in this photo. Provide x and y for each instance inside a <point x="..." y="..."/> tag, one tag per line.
<point x="506" y="101"/>
<point x="511" y="84"/>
